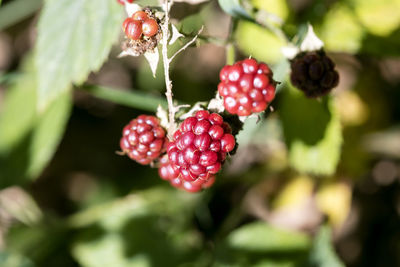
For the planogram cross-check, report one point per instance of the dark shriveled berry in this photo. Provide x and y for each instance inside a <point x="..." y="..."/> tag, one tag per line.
<point x="143" y="139"/>
<point x="247" y="87"/>
<point x="314" y="73"/>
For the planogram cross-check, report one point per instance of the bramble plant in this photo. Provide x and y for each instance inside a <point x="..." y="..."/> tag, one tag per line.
<point x="199" y="133"/>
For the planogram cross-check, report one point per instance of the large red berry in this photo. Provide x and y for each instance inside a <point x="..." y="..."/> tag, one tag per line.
<point x="171" y="173"/>
<point x="199" y="147"/>
<point x="314" y="73"/>
<point x="150" y="27"/>
<point x="247" y="87"/>
<point x="132" y="28"/>
<point x="143" y="139"/>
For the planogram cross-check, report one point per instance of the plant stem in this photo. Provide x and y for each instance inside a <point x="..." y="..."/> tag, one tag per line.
<point x="168" y="83"/>
<point x="134" y="99"/>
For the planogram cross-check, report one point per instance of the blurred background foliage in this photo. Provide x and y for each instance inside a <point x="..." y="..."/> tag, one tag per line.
<point x="313" y="183"/>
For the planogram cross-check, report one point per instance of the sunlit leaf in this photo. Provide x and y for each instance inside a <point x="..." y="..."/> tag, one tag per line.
<point x="313" y="132"/>
<point x="341" y="30"/>
<point x="380" y="17"/>
<point x="261" y="237"/>
<point x="268" y="46"/>
<point x="74" y="38"/>
<point x="235" y="9"/>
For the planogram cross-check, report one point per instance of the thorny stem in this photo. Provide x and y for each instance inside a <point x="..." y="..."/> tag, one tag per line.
<point x="168" y="83"/>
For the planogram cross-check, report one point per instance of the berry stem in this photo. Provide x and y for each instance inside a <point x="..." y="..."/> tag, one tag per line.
<point x="166" y="62"/>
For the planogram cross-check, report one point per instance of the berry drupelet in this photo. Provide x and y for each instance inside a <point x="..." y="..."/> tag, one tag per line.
<point x="143" y="139"/>
<point x="169" y="172"/>
<point x="199" y="147"/>
<point x="314" y="73"/>
<point x="247" y="87"/>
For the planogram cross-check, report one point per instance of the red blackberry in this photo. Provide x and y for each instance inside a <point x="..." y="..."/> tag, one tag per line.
<point x="122" y="2"/>
<point x="143" y="139"/>
<point x="247" y="87"/>
<point x="199" y="146"/>
<point x="169" y="172"/>
<point x="314" y="73"/>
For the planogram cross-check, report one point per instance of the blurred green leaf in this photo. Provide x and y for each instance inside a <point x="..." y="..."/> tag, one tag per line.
<point x="114" y="232"/>
<point x="47" y="133"/>
<point x="12" y="259"/>
<point x="235" y="9"/>
<point x="260" y="244"/>
<point x="312" y="131"/>
<point x="268" y="45"/>
<point x="19" y="109"/>
<point x="380" y="17"/>
<point x="74" y="38"/>
<point x="262" y="237"/>
<point x="322" y="252"/>
<point x="341" y="30"/>
<point x="16" y="11"/>
<point x="28" y="138"/>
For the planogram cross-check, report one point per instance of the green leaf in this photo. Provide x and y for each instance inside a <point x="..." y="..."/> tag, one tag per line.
<point x="268" y="45"/>
<point x="322" y="252"/>
<point x="312" y="131"/>
<point x="341" y="30"/>
<point x="235" y="9"/>
<point x="17" y="10"/>
<point x="47" y="133"/>
<point x="74" y="38"/>
<point x="113" y="235"/>
<point x="29" y="138"/>
<point x="380" y="17"/>
<point x="262" y="237"/>
<point x="12" y="259"/>
<point x="18" y="110"/>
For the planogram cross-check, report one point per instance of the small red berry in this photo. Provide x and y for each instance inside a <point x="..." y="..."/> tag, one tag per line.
<point x="140" y="15"/>
<point x="242" y="87"/>
<point x="150" y="27"/>
<point x="132" y="28"/>
<point x="143" y="139"/>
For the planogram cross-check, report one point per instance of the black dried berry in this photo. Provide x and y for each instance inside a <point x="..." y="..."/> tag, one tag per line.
<point x="314" y="73"/>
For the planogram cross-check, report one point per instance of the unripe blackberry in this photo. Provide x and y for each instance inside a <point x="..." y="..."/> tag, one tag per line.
<point x="314" y="73"/>
<point x="169" y="172"/>
<point x="247" y="87"/>
<point x="199" y="147"/>
<point x="143" y="32"/>
<point x="143" y="139"/>
<point x="132" y="28"/>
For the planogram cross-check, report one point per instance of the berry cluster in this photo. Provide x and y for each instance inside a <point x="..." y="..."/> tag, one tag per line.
<point x="140" y="24"/>
<point x="314" y="73"/>
<point x="143" y="139"/>
<point x="170" y="172"/>
<point x="122" y="2"/>
<point x="247" y="87"/>
<point x="199" y="148"/>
